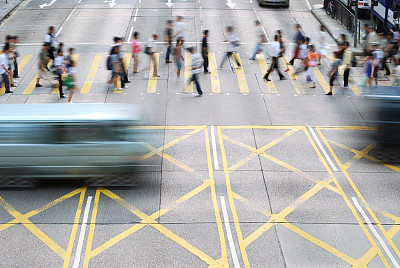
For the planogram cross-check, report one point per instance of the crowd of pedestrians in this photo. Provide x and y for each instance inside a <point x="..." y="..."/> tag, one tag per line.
<point x="381" y="50"/>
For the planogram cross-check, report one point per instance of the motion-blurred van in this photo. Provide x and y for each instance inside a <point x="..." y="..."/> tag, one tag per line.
<point x="69" y="140"/>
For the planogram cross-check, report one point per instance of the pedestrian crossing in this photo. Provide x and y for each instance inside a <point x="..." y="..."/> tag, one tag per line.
<point x="97" y="74"/>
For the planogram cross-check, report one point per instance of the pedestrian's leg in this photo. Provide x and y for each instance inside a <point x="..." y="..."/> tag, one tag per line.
<point x="205" y="64"/>
<point x="310" y="71"/>
<point x="168" y="54"/>
<point x="256" y="49"/>
<point x="346" y="78"/>
<point x="236" y="59"/>
<point x="136" y="62"/>
<point x="153" y="58"/>
<point x="196" y="81"/>
<point x="224" y="58"/>
<point x="124" y="73"/>
<point x="60" y="85"/>
<point x="278" y="69"/>
<point x="71" y="92"/>
<point x="115" y="80"/>
<point x="16" y="74"/>
<point x="386" y="66"/>
<point x="122" y="80"/>
<point x="6" y="82"/>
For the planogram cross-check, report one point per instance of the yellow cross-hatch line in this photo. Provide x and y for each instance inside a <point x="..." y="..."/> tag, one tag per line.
<point x="188" y="73"/>
<point x="241" y="77"/>
<point x="152" y="84"/>
<point x="293" y="77"/>
<point x="215" y="86"/>
<point x="264" y="69"/>
<point x="92" y="74"/>
<point x="75" y="58"/>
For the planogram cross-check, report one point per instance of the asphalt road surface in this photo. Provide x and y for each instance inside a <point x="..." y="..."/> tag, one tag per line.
<point x="252" y="174"/>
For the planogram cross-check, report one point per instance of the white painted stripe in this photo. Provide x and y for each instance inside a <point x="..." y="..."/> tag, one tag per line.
<point x="59" y="30"/>
<point x="383" y="244"/>
<point x="70" y="14"/>
<point x="137" y="10"/>
<point x="322" y="149"/>
<point x="308" y="4"/>
<point x="82" y="233"/>
<point x="130" y="34"/>
<point x="214" y="147"/>
<point x="229" y="233"/>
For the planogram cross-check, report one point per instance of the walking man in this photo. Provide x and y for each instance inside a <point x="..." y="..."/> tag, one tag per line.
<point x="52" y="40"/>
<point x="347" y="62"/>
<point x="298" y="40"/>
<point x="150" y="50"/>
<point x="169" y="34"/>
<point x="204" y="51"/>
<point x="4" y="68"/>
<point x="261" y="38"/>
<point x="44" y="59"/>
<point x="180" y="28"/>
<point x="231" y="49"/>
<point x="197" y="61"/>
<point x="275" y="51"/>
<point x="16" y="55"/>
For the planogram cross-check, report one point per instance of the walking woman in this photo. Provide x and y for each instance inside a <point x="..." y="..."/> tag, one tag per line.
<point x="334" y="72"/>
<point x="135" y="52"/>
<point x="323" y="46"/>
<point x="283" y="49"/>
<point x="178" y="57"/>
<point x="70" y="81"/>
<point x="311" y="63"/>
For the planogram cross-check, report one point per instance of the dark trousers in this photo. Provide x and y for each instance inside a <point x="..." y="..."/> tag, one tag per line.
<point x="227" y="55"/>
<point x="169" y="49"/>
<point x="195" y="79"/>
<point x="15" y="68"/>
<point x="384" y="65"/>
<point x="332" y="79"/>
<point x="60" y="83"/>
<point x="51" y="52"/>
<point x="274" y="66"/>
<point x="6" y="82"/>
<point x="346" y="77"/>
<point x="124" y="73"/>
<point x="205" y="63"/>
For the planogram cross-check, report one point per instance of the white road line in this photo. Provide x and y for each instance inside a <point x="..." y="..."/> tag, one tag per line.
<point x="229" y="233"/>
<point x="308" y="4"/>
<point x="265" y="32"/>
<point x="82" y="233"/>
<point x="59" y="30"/>
<point x="70" y="14"/>
<point x="251" y="1"/>
<point x="130" y="34"/>
<point x="214" y="147"/>
<point x="322" y="149"/>
<point x="137" y="10"/>
<point x="383" y="244"/>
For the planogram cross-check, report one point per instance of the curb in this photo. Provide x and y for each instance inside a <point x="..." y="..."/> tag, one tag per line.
<point x="11" y="10"/>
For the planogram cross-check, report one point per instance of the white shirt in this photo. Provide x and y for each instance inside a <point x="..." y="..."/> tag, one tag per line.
<point x="275" y="49"/>
<point x="197" y="62"/>
<point x="260" y="34"/>
<point x="378" y="55"/>
<point x="4" y="61"/>
<point x="231" y="42"/>
<point x="180" y="28"/>
<point x="59" y="61"/>
<point x="50" y="39"/>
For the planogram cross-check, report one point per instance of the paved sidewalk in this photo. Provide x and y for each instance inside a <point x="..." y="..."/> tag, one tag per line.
<point x="6" y="9"/>
<point x="334" y="28"/>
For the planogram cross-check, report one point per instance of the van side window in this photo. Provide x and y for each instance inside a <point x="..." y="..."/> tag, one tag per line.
<point x="24" y="133"/>
<point x="87" y="133"/>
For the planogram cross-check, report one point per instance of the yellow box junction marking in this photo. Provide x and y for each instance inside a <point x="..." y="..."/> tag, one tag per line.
<point x="280" y="218"/>
<point x="188" y="73"/>
<point x="358" y="155"/>
<point x="215" y="86"/>
<point x="75" y="58"/>
<point x="151" y="220"/>
<point x="92" y="74"/>
<point x="241" y="77"/>
<point x="356" y="90"/>
<point x="152" y="84"/>
<point x="293" y="77"/>
<point x="24" y="220"/>
<point x="264" y="69"/>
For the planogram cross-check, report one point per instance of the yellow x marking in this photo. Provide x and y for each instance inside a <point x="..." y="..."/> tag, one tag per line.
<point x="24" y="220"/>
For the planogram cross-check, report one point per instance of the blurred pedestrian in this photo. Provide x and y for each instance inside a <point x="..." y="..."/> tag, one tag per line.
<point x="4" y="68"/>
<point x="260" y="37"/>
<point x="197" y="63"/>
<point x="378" y="55"/>
<point x="150" y="50"/>
<point x="347" y="63"/>
<point x="180" y="28"/>
<point x="116" y="67"/>
<point x="69" y="58"/>
<point x="370" y="68"/>
<point x="50" y="38"/>
<point x="169" y="34"/>
<point x="311" y="62"/>
<point x="118" y="41"/>
<point x="323" y="46"/>
<point x="299" y="39"/>
<point x="334" y="72"/>
<point x="233" y="43"/>
<point x="283" y="49"/>
<point x="371" y="38"/>
<point x="71" y="80"/>
<point x="44" y="58"/>
<point x="179" y="58"/>
<point x="11" y="58"/>
<point x="304" y="51"/>
<point x="275" y="50"/>
<point x="396" y="72"/>
<point x="135" y="51"/>
<point x="16" y="56"/>
<point x="59" y="64"/>
<point x="204" y="51"/>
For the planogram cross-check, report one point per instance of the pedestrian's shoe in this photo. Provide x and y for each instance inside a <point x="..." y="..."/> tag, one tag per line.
<point x="329" y="93"/>
<point x="9" y="91"/>
<point x="388" y="73"/>
<point x="38" y="85"/>
<point x="198" y="94"/>
<point x="16" y="76"/>
<point x="13" y="85"/>
<point x="135" y="72"/>
<point x="127" y="82"/>
<point x="207" y="72"/>
<point x="345" y="87"/>
<point x="168" y="61"/>
<point x="220" y="67"/>
<point x="282" y="78"/>
<point x="266" y="78"/>
<point x="156" y="75"/>
<point x="125" y="86"/>
<point x="251" y="58"/>
<point x="238" y="67"/>
<point x="313" y="87"/>
<point x="62" y="96"/>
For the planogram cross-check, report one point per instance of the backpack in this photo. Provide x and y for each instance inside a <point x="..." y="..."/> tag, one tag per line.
<point x="109" y="64"/>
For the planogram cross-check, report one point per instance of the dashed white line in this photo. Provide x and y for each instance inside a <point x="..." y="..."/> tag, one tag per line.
<point x="214" y="148"/>
<point x="70" y="14"/>
<point x="137" y="10"/>
<point x="130" y="34"/>
<point x="322" y="149"/>
<point x="59" y="30"/>
<point x="383" y="244"/>
<point x="82" y="233"/>
<point x="229" y="234"/>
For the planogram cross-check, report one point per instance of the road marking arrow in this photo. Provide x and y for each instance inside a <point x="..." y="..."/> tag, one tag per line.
<point x="170" y="4"/>
<point x="111" y="3"/>
<point x="230" y="4"/>
<point x="47" y="4"/>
